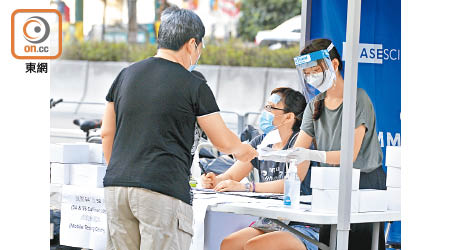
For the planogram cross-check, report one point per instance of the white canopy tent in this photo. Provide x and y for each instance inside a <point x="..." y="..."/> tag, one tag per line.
<point x="348" y="116"/>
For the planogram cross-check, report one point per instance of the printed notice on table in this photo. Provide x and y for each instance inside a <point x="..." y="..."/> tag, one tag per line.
<point x="83" y="217"/>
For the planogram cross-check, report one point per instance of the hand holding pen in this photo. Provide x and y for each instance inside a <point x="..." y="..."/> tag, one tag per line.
<point x="209" y="180"/>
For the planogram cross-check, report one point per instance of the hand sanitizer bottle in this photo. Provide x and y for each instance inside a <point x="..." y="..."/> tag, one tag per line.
<point x="292" y="186"/>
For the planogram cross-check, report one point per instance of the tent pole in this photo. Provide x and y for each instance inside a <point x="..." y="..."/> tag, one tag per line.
<point x="348" y="122"/>
<point x="306" y="23"/>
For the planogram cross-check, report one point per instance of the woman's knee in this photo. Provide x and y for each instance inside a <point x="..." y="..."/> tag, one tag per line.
<point x="230" y="242"/>
<point x="238" y="239"/>
<point x="275" y="240"/>
<point x="252" y="244"/>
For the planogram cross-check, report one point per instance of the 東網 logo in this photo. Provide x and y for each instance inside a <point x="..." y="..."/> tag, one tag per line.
<point x="36" y="34"/>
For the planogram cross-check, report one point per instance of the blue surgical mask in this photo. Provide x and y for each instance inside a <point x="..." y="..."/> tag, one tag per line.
<point x="192" y="67"/>
<point x="266" y="122"/>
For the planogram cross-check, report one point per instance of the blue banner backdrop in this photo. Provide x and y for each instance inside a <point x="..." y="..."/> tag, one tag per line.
<point x="379" y="68"/>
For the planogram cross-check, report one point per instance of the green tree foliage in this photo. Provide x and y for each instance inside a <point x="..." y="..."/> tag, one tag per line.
<point x="264" y="15"/>
<point x="231" y="53"/>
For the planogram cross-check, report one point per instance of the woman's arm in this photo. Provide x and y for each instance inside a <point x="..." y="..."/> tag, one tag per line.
<point x="236" y="173"/>
<point x="303" y="141"/>
<point x="334" y="157"/>
<point x="260" y="187"/>
<point x="270" y="187"/>
<point x="108" y="130"/>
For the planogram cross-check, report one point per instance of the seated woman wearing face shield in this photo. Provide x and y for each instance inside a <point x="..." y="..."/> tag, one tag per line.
<point x="319" y="66"/>
<point x="281" y="119"/>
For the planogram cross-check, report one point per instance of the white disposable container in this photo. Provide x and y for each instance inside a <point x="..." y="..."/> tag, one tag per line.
<point x="87" y="175"/>
<point x="394" y="198"/>
<point x="328" y="178"/>
<point x="96" y="153"/>
<point x="59" y="173"/>
<point x="393" y="177"/>
<point x="69" y="153"/>
<point x="393" y="156"/>
<point x="326" y="201"/>
<point x="371" y="200"/>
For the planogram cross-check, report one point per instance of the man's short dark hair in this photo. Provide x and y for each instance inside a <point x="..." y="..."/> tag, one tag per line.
<point x="177" y="27"/>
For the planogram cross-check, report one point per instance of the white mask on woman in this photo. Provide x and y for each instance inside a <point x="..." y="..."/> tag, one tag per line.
<point x="317" y="80"/>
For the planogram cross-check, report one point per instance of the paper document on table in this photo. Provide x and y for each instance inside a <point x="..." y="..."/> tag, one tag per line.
<point x="203" y="191"/>
<point x="257" y="195"/>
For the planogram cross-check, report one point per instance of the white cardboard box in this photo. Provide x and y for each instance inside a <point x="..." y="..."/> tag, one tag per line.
<point x="394" y="198"/>
<point x="328" y="178"/>
<point x="393" y="156"/>
<point x="95" y="153"/>
<point x="393" y="177"/>
<point x="69" y="153"/>
<point x="326" y="201"/>
<point x="87" y="175"/>
<point x="371" y="200"/>
<point x="59" y="173"/>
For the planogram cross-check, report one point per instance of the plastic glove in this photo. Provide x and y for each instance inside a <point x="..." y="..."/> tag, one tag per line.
<point x="303" y="154"/>
<point x="270" y="154"/>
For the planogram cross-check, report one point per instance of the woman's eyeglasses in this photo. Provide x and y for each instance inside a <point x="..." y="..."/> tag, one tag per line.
<point x="270" y="108"/>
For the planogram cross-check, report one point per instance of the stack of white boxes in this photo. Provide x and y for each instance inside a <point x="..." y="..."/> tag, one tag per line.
<point x="325" y="189"/>
<point x="80" y="164"/>
<point x="393" y="178"/>
<point x="325" y="193"/>
<point x="372" y="200"/>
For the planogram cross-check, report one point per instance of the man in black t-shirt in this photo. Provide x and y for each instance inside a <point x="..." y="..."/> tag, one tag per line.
<point x="148" y="133"/>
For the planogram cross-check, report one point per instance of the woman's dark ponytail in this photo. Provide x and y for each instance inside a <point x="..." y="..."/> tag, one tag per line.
<point x="318" y="107"/>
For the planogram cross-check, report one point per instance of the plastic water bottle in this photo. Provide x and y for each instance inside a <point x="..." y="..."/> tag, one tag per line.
<point x="292" y="187"/>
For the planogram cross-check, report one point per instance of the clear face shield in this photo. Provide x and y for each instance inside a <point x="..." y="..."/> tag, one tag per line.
<point x="316" y="72"/>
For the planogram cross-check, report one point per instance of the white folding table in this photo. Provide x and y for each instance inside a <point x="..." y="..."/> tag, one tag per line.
<point x="304" y="215"/>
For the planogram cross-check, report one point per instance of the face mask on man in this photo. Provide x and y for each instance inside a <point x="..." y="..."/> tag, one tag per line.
<point x="266" y="122"/>
<point x="192" y="67"/>
<point x="266" y="118"/>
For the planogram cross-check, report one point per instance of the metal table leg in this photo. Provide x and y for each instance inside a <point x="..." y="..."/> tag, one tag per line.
<point x="386" y="234"/>
<point x="375" y="232"/>
<point x="333" y="234"/>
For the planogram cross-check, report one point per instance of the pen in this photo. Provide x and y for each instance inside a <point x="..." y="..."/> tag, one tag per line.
<point x="203" y="169"/>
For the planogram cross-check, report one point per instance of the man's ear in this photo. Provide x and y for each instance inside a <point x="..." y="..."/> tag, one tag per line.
<point x="190" y="45"/>
<point x="291" y="115"/>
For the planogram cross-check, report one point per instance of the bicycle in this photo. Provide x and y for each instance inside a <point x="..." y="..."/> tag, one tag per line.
<point x="86" y="125"/>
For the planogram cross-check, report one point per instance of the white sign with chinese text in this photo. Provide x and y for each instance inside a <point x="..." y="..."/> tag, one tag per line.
<point x="83" y="217"/>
